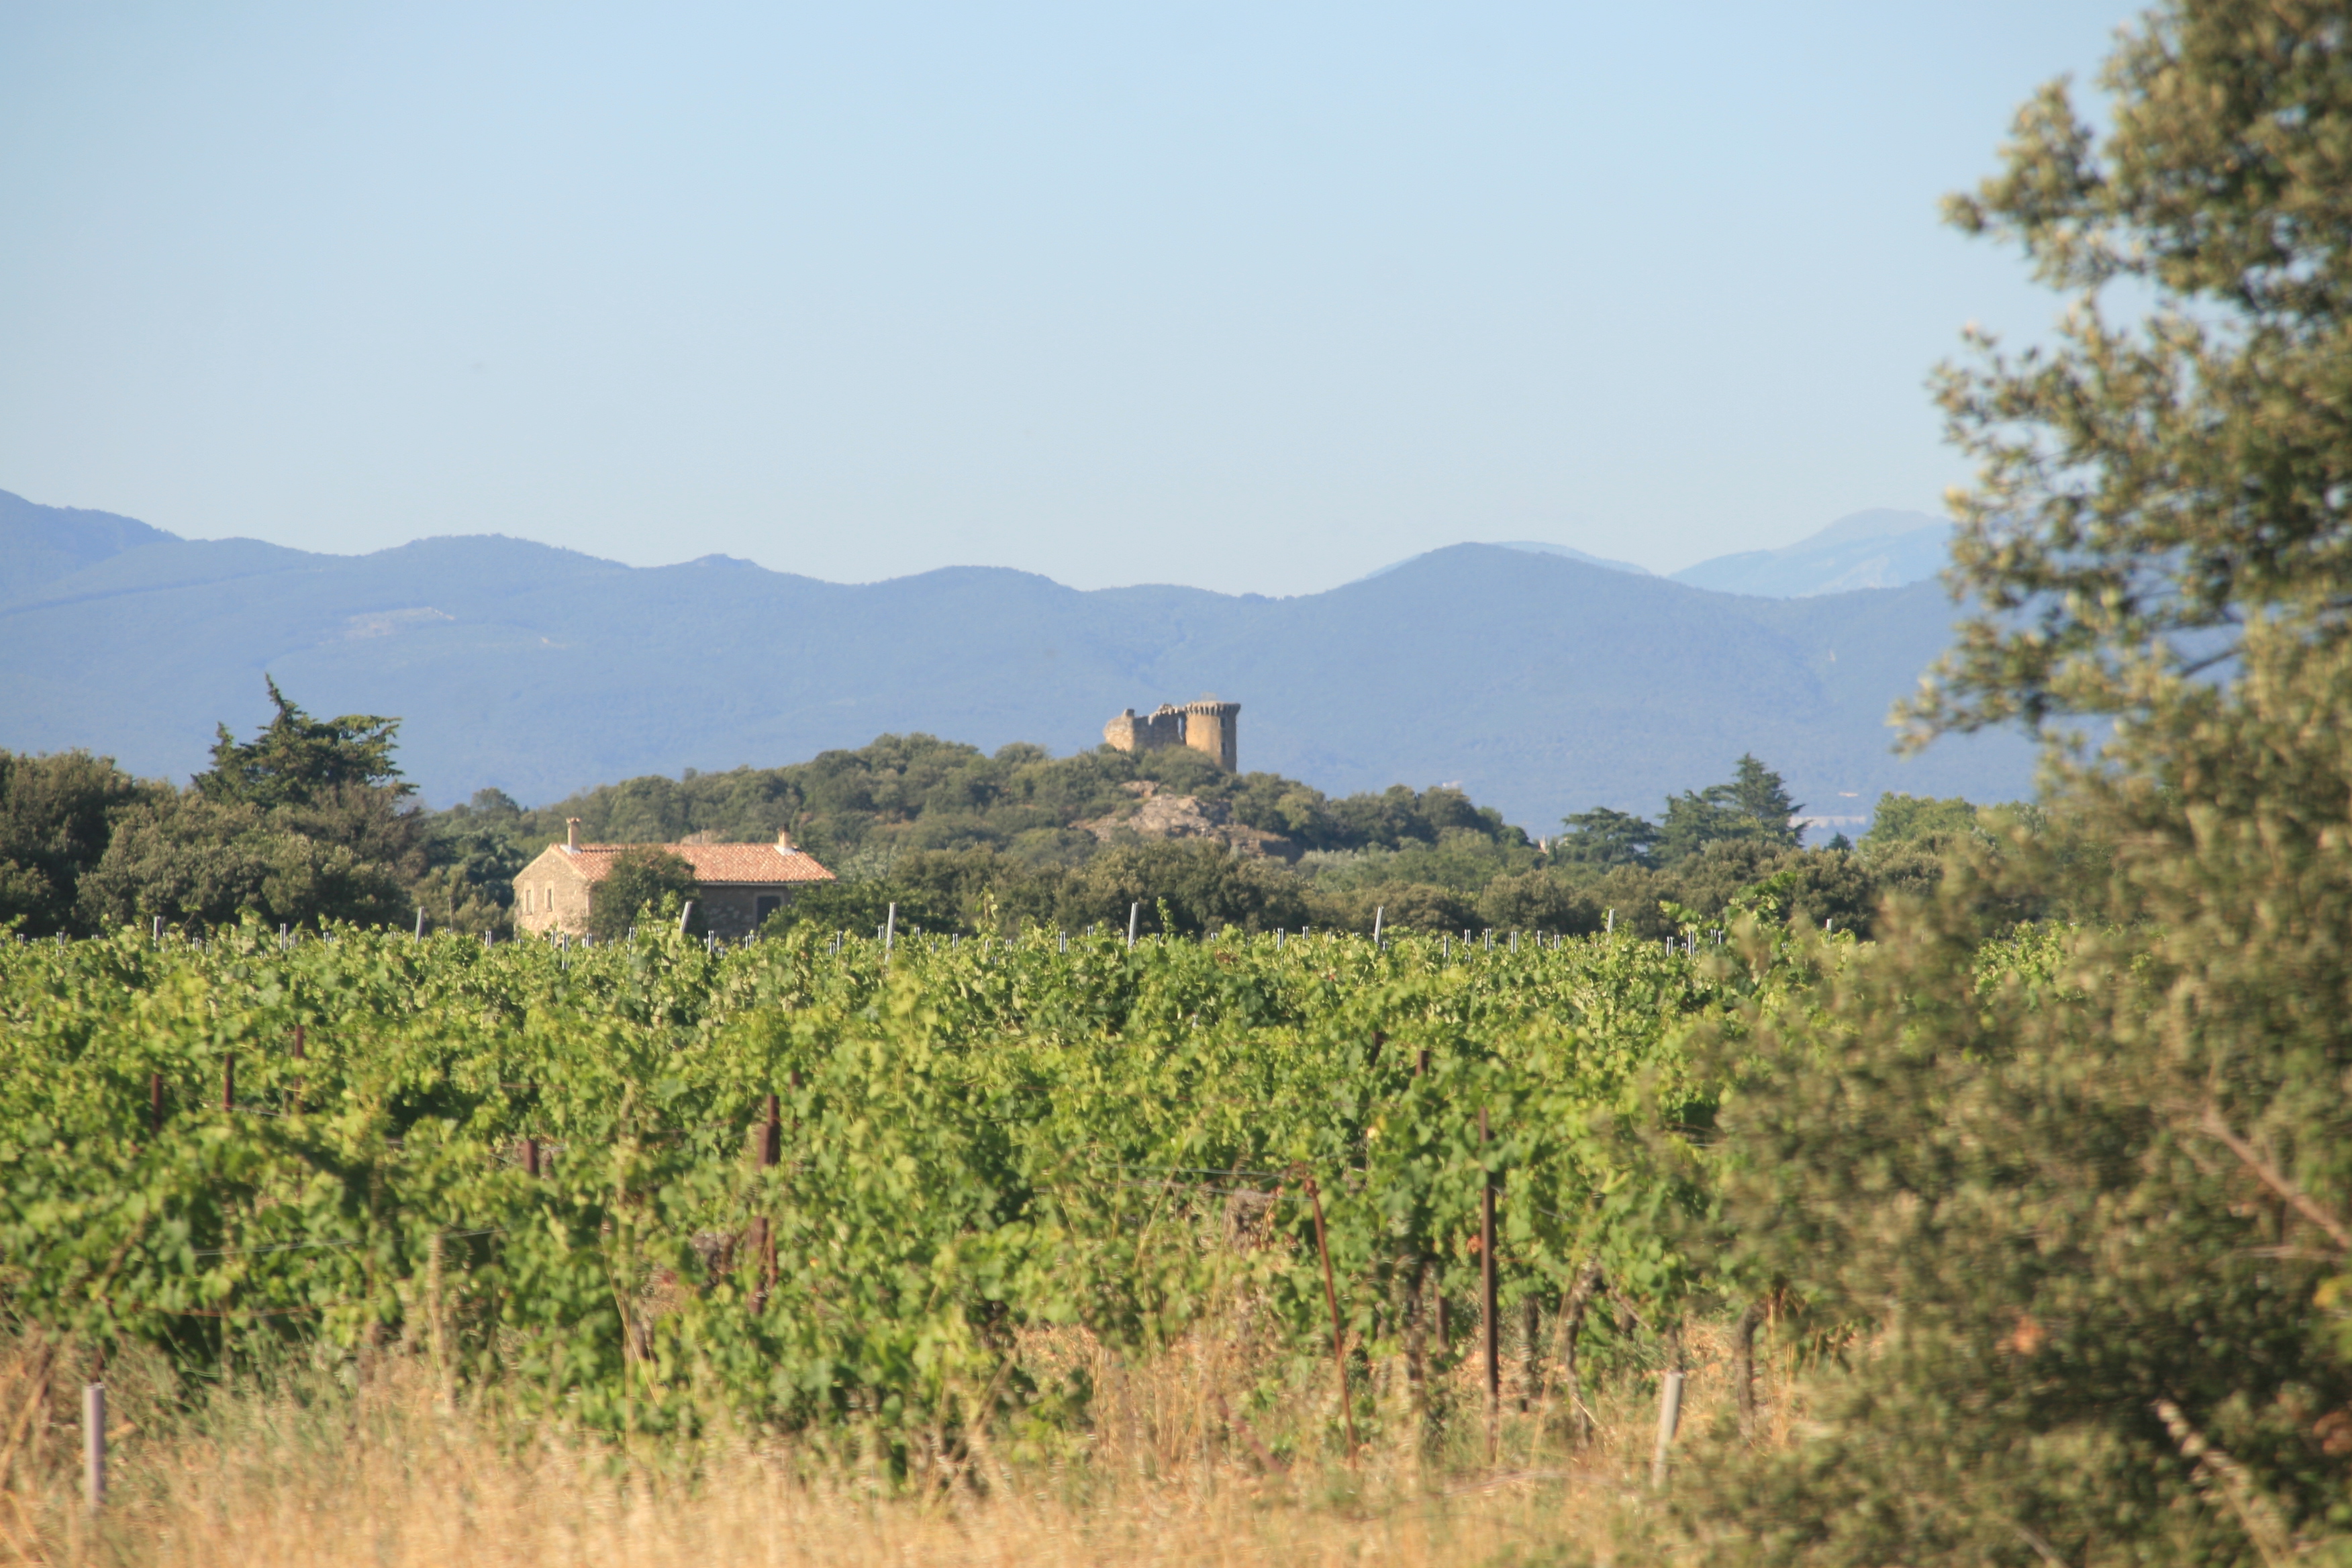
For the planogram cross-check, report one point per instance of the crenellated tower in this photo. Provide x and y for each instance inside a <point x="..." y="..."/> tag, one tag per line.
<point x="1209" y="726"/>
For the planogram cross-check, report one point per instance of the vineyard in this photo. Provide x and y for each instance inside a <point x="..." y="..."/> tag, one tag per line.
<point x="832" y="1184"/>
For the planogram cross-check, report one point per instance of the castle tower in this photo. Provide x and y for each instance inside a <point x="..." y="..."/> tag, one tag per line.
<point x="1210" y="726"/>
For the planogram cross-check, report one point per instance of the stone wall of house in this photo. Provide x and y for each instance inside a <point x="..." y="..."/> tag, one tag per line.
<point x="550" y="901"/>
<point x="551" y="897"/>
<point x="545" y="905"/>
<point x="731" y="913"/>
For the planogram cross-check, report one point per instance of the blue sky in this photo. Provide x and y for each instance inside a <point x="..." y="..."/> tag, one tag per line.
<point x="1254" y="296"/>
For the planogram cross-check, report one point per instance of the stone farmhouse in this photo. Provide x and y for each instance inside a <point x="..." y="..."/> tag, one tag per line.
<point x="742" y="884"/>
<point x="1208" y="726"/>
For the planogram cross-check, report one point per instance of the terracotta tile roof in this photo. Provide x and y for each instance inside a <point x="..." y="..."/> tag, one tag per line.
<point x="717" y="864"/>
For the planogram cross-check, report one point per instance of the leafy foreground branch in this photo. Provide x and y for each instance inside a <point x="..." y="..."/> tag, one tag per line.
<point x="2087" y="1207"/>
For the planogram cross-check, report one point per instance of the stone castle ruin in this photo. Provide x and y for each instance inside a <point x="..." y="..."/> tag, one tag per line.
<point x="1207" y="726"/>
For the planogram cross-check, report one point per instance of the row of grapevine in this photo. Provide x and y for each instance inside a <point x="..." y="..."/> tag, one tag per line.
<point x="547" y="1167"/>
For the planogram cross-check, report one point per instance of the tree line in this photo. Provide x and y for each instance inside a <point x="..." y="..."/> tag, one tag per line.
<point x="310" y="820"/>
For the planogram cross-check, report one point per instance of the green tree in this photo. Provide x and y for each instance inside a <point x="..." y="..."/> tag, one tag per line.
<point x="203" y="862"/>
<point x="1757" y="792"/>
<point x="1399" y="906"/>
<point x="332" y="783"/>
<point x="2085" y="1192"/>
<point x="57" y="814"/>
<point x="474" y="851"/>
<point x="1202" y="885"/>
<point x="1808" y="886"/>
<point x="1539" y="901"/>
<point x="296" y="759"/>
<point x="863" y="907"/>
<point x="310" y="821"/>
<point x="1603" y="838"/>
<point x="642" y="877"/>
<point x="1922" y="820"/>
<point x="2149" y="488"/>
<point x="1753" y="804"/>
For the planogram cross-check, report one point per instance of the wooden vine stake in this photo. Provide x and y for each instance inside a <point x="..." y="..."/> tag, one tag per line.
<point x="93" y="1446"/>
<point x="436" y="1336"/>
<point x="1487" y="1302"/>
<point x="1331" y="1299"/>
<point x="1572" y="1327"/>
<point x="772" y="1140"/>
<point x="1743" y="1366"/>
<point x="1670" y="1409"/>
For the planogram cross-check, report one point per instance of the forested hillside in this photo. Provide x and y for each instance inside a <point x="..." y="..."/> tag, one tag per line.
<point x="311" y="821"/>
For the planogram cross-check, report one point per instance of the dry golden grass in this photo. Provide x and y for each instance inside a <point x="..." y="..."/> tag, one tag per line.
<point x="310" y="1473"/>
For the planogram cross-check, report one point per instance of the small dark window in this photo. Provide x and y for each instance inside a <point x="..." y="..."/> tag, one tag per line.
<point x="765" y="906"/>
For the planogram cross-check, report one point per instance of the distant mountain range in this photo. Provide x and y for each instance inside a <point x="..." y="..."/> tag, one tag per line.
<point x="1541" y="683"/>
<point x="1867" y="550"/>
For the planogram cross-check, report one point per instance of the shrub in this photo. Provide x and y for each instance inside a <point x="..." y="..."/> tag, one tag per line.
<point x="643" y="876"/>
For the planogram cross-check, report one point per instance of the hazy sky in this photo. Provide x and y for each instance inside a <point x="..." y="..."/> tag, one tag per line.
<point x="1254" y="296"/>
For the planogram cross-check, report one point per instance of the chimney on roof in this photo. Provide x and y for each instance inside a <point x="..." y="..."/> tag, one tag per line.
<point x="572" y="835"/>
<point x="785" y="843"/>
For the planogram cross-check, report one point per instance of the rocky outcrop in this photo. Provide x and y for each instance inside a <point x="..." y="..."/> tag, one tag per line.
<point x="1158" y="815"/>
